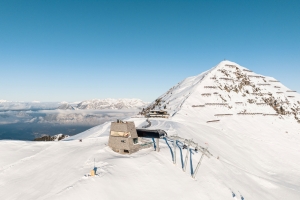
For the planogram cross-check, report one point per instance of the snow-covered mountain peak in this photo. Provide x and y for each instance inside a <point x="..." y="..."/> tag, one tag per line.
<point x="229" y="88"/>
<point x="65" y="106"/>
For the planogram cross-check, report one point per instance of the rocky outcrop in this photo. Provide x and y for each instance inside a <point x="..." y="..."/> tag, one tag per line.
<point x="57" y="137"/>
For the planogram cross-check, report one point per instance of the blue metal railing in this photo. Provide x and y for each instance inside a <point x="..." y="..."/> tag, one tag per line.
<point x="169" y="148"/>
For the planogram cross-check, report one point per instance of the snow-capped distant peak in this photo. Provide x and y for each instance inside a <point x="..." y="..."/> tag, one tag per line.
<point x="65" y="106"/>
<point x="111" y="104"/>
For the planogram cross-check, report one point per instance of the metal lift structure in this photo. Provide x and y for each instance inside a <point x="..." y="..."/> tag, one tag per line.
<point x="182" y="143"/>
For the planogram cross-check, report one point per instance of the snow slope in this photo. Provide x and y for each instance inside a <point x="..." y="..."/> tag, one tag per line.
<point x="255" y="156"/>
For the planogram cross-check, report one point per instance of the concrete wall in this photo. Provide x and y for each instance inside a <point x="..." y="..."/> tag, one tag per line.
<point x="119" y="144"/>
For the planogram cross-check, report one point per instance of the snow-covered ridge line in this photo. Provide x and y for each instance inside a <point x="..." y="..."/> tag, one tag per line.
<point x="25" y="106"/>
<point x="94" y="104"/>
<point x="111" y="104"/>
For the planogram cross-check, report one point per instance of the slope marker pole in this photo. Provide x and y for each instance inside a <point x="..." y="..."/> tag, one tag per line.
<point x="157" y="144"/>
<point x="199" y="163"/>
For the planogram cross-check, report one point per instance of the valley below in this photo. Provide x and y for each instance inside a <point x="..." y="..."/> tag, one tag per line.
<point x="30" y="120"/>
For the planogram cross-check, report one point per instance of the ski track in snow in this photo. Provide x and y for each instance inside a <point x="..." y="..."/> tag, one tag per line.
<point x="11" y="166"/>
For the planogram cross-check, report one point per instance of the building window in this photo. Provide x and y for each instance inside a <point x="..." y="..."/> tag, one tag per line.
<point x="126" y="151"/>
<point x="120" y="134"/>
<point x="135" y="140"/>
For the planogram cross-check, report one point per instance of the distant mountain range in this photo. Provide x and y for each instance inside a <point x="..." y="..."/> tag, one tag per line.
<point x="94" y="104"/>
<point x="99" y="104"/>
<point x="25" y="106"/>
<point x="87" y="112"/>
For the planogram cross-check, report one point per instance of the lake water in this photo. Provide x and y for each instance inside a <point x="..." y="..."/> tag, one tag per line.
<point x="28" y="125"/>
<point x="29" y="131"/>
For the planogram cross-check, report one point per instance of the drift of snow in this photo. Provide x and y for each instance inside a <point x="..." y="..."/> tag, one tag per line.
<point x="255" y="155"/>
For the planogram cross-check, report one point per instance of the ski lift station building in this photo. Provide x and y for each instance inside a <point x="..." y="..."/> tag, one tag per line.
<point x="124" y="138"/>
<point x="158" y="114"/>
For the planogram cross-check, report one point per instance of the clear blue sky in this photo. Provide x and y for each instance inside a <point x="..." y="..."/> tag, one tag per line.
<point x="55" y="50"/>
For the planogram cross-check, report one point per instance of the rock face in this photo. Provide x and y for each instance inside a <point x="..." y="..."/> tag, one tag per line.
<point x="237" y="89"/>
<point x="99" y="104"/>
<point x="57" y="137"/>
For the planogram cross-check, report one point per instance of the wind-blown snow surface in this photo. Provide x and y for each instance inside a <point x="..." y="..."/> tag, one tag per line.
<point x="254" y="156"/>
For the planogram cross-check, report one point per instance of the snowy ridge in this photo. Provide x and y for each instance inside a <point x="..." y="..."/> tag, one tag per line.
<point x="65" y="106"/>
<point x="94" y="104"/>
<point x="18" y="106"/>
<point x="174" y="98"/>
<point x="111" y="104"/>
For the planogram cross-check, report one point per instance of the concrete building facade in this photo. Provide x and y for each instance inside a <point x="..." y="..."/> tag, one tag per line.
<point x="123" y="137"/>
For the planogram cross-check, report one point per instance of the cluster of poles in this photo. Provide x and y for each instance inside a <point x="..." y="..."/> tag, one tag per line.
<point x="191" y="148"/>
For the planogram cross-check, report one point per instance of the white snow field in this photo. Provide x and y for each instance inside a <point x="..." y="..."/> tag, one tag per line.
<point x="256" y="156"/>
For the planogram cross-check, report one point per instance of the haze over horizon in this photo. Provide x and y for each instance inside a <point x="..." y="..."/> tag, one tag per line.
<point x="74" y="50"/>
